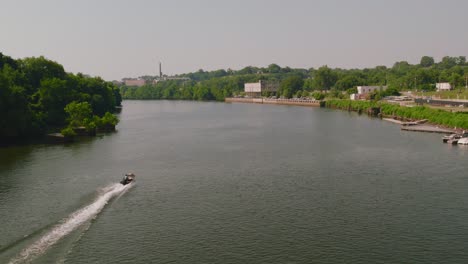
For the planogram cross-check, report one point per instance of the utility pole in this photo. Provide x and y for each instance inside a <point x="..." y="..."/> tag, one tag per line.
<point x="466" y="81"/>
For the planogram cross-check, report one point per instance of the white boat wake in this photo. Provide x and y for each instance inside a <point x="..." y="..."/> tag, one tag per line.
<point x="67" y="225"/>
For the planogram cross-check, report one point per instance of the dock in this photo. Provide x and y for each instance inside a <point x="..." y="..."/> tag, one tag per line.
<point x="406" y="123"/>
<point x="393" y="121"/>
<point x="301" y="102"/>
<point x="420" y="126"/>
<point x="428" y="128"/>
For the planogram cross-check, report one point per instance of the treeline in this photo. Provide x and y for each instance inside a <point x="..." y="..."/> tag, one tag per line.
<point x="35" y="91"/>
<point x="435" y="116"/>
<point x="212" y="89"/>
<point x="215" y="85"/>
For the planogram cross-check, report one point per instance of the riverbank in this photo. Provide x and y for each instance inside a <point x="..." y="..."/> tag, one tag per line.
<point x="436" y="117"/>
<point x="299" y="102"/>
<point x="436" y="121"/>
<point x="421" y="126"/>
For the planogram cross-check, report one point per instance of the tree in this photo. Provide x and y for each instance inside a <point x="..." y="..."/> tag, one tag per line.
<point x="15" y="115"/>
<point x="291" y="85"/>
<point x="456" y="80"/>
<point x="348" y="82"/>
<point x="274" y="68"/>
<point x="351" y="91"/>
<point x="427" y="61"/>
<point x="318" y="95"/>
<point x="108" y="119"/>
<point x="78" y="113"/>
<point x="308" y="84"/>
<point x="247" y="70"/>
<point x="325" y="78"/>
<point x="202" y="93"/>
<point x="448" y="62"/>
<point x="35" y="91"/>
<point x="54" y="96"/>
<point x="401" y="68"/>
<point x="38" y="69"/>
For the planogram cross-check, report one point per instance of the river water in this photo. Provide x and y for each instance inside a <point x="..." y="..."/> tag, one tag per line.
<point x="237" y="183"/>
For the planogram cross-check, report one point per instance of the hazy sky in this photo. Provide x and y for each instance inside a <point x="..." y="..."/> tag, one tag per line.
<point x="126" y="38"/>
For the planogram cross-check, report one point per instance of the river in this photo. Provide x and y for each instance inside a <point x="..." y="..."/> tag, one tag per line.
<point x="237" y="183"/>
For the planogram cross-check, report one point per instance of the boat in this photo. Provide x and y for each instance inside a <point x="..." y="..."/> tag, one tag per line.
<point x="450" y="138"/>
<point x="128" y="178"/>
<point x="463" y="141"/>
<point x="454" y="137"/>
<point x="454" y="140"/>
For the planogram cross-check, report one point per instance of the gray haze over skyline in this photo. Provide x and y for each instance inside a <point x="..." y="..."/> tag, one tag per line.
<point x="123" y="38"/>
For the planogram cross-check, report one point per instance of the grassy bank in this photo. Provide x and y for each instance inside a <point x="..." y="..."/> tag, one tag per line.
<point x="435" y="116"/>
<point x="457" y="94"/>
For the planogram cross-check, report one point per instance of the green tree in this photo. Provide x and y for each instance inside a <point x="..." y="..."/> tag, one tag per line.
<point x="291" y="85"/>
<point x="448" y="62"/>
<point x="318" y="95"/>
<point x="427" y="61"/>
<point x="274" y="68"/>
<point x="35" y="91"/>
<point x="78" y="113"/>
<point x="15" y="115"/>
<point x="309" y="84"/>
<point x="348" y="82"/>
<point x="38" y="69"/>
<point x="107" y="120"/>
<point x="55" y="94"/>
<point x="325" y="78"/>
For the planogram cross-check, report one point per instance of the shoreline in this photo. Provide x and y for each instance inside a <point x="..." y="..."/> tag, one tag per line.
<point x="298" y="102"/>
<point x="405" y="123"/>
<point x="421" y="126"/>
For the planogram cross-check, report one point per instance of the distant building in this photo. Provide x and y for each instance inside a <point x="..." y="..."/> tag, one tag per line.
<point x="358" y="96"/>
<point x="370" y="89"/>
<point x="134" y="82"/>
<point x="443" y="87"/>
<point x="117" y="83"/>
<point x="363" y="92"/>
<point x="256" y="89"/>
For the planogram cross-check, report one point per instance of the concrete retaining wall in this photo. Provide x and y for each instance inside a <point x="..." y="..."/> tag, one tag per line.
<point x="274" y="101"/>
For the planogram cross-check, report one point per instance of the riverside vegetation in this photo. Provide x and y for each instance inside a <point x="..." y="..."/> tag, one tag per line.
<point x="436" y="116"/>
<point x="319" y="83"/>
<point x="324" y="83"/>
<point x="38" y="96"/>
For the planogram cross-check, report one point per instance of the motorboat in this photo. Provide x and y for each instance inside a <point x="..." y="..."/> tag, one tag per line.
<point x="128" y="178"/>
<point x="454" y="140"/>
<point x="450" y="138"/>
<point x="463" y="141"/>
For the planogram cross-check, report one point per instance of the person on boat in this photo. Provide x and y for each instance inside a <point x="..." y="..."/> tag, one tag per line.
<point x="127" y="178"/>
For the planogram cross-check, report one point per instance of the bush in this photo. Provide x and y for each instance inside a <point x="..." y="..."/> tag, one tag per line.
<point x="89" y="124"/>
<point x="318" y="95"/>
<point x="78" y="113"/>
<point x="68" y="132"/>
<point x="109" y="119"/>
<point x="435" y="116"/>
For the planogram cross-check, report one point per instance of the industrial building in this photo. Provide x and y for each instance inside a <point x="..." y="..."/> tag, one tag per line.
<point x="370" y="89"/>
<point x="134" y="82"/>
<point x="363" y="91"/>
<point x="256" y="89"/>
<point x="443" y="87"/>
